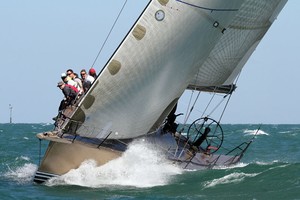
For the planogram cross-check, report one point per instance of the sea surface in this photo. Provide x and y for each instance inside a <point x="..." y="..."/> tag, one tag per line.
<point x="270" y="169"/>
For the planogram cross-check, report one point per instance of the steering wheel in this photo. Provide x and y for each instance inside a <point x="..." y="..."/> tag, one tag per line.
<point x="206" y="134"/>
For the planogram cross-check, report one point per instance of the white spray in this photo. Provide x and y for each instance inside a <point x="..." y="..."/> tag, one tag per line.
<point x="142" y="165"/>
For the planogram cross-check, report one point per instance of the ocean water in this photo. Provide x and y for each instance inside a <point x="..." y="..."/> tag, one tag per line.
<point x="270" y="169"/>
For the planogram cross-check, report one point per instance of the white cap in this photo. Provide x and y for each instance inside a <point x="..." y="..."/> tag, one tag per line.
<point x="63" y="75"/>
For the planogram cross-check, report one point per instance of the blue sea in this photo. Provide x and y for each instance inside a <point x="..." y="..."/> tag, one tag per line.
<point x="270" y="169"/>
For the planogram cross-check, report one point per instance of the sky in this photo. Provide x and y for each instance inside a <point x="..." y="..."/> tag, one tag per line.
<point x="39" y="40"/>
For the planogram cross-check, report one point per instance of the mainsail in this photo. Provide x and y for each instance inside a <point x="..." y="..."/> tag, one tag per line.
<point x="174" y="45"/>
<point x="244" y="33"/>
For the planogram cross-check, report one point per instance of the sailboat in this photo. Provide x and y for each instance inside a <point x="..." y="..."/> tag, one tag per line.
<point x="174" y="46"/>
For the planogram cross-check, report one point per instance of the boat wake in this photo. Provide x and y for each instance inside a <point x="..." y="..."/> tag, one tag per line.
<point x="140" y="166"/>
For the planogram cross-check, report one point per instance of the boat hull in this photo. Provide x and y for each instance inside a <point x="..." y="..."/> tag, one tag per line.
<point x="65" y="153"/>
<point x="61" y="157"/>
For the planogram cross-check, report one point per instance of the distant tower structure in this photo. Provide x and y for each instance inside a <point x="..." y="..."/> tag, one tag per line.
<point x="10" y="115"/>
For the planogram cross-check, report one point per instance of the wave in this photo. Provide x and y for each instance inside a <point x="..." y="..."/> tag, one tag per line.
<point x="238" y="165"/>
<point x="259" y="163"/>
<point x="231" y="178"/>
<point x="255" y="132"/>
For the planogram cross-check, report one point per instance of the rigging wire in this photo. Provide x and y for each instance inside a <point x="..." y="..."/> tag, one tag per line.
<point x="192" y="108"/>
<point x="227" y="102"/>
<point x="211" y="99"/>
<point x="206" y="108"/>
<point x="188" y="108"/>
<point x="225" y="107"/>
<point x="236" y="80"/>
<point x="209" y="103"/>
<point x="111" y="29"/>
<point x="213" y="110"/>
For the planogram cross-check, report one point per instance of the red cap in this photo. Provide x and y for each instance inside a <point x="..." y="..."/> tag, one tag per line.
<point x="92" y="71"/>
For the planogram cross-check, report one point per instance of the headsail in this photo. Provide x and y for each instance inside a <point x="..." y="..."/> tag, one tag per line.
<point x="170" y="43"/>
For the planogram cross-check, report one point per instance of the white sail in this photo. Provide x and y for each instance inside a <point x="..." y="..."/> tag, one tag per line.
<point x="242" y="36"/>
<point x="158" y="60"/>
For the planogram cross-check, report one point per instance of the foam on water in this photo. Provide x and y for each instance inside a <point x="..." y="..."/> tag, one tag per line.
<point x="255" y="132"/>
<point x="231" y="178"/>
<point x="140" y="166"/>
<point x="266" y="163"/>
<point x="23" y="174"/>
<point x="238" y="165"/>
<point x="23" y="158"/>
